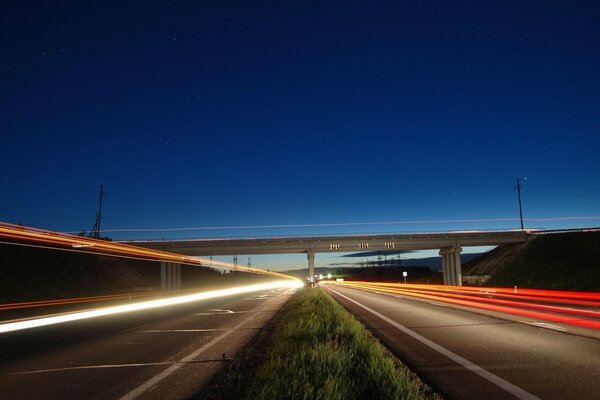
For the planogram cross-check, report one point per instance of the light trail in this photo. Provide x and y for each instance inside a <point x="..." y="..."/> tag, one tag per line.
<point x="146" y="305"/>
<point x="341" y="224"/>
<point x="552" y="296"/>
<point x="484" y="298"/>
<point x="26" y="236"/>
<point x="79" y="300"/>
<point x="526" y="305"/>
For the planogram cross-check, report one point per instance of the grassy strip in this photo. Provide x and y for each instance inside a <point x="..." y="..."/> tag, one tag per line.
<point x="314" y="349"/>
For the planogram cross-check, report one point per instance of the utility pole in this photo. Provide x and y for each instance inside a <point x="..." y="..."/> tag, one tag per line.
<point x="95" y="233"/>
<point x="520" y="206"/>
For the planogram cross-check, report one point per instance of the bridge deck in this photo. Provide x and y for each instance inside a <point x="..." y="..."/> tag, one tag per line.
<point x="334" y="244"/>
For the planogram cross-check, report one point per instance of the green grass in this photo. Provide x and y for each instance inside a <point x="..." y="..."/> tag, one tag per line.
<point x="314" y="349"/>
<point x="566" y="261"/>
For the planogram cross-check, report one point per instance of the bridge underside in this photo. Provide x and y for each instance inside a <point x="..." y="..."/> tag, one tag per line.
<point x="448" y="243"/>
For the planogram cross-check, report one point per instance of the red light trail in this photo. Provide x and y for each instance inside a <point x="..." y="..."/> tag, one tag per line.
<point x="547" y="305"/>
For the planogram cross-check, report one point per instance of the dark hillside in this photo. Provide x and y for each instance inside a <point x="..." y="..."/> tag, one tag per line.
<point x="28" y="273"/>
<point x="479" y="270"/>
<point x="562" y="261"/>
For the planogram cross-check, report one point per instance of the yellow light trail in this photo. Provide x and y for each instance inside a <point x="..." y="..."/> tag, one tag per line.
<point x="145" y="305"/>
<point x="27" y="236"/>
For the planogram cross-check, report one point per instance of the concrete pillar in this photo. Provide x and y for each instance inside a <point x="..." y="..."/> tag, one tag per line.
<point x="169" y="276"/>
<point x="452" y="268"/>
<point x="174" y="276"/>
<point x="163" y="275"/>
<point x="445" y="267"/>
<point x="310" y="255"/>
<point x="458" y="266"/>
<point x="178" y="281"/>
<point x="451" y="265"/>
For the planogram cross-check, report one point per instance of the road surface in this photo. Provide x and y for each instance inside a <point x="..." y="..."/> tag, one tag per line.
<point x="467" y="354"/>
<point x="160" y="353"/>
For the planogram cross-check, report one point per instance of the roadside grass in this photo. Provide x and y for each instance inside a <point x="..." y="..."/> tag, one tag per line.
<point x="315" y="349"/>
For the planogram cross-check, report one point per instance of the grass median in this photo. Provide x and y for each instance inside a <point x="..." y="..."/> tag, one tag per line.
<point x="314" y="349"/>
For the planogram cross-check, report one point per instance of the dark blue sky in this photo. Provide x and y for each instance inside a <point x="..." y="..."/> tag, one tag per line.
<point x="211" y="113"/>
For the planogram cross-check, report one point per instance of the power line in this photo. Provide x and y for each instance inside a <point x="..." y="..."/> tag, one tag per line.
<point x="408" y="222"/>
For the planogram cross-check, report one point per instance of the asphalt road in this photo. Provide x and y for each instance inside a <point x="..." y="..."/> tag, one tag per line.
<point x="161" y="353"/>
<point x="469" y="355"/>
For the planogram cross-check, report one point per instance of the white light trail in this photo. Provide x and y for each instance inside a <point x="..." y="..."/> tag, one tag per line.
<point x="325" y="225"/>
<point x="145" y="305"/>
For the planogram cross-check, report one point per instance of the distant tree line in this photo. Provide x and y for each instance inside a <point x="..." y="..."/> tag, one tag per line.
<point x="384" y="274"/>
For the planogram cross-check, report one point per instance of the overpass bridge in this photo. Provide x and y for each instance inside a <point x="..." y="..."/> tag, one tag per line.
<point x="449" y="243"/>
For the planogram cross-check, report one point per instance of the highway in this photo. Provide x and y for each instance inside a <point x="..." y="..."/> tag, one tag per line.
<point x="481" y="344"/>
<point x="168" y="352"/>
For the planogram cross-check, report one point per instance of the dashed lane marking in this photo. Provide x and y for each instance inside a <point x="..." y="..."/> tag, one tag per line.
<point x="82" y="367"/>
<point x="152" y="382"/>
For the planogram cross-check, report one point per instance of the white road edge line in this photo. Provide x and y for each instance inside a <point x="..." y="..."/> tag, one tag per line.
<point x="149" y="384"/>
<point x="495" y="379"/>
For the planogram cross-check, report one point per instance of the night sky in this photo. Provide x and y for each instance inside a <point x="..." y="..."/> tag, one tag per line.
<point x="218" y="113"/>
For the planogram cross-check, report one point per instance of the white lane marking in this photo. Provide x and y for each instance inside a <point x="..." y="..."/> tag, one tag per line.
<point x="217" y="312"/>
<point x="429" y="302"/>
<point x="545" y="325"/>
<point x="149" y="384"/>
<point x="181" y="330"/>
<point x="134" y="328"/>
<point x="39" y="371"/>
<point x="495" y="379"/>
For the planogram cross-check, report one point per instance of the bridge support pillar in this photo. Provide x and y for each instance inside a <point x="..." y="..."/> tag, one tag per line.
<point x="170" y="276"/>
<point x="310" y="255"/>
<point x="451" y="265"/>
<point x="163" y="275"/>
